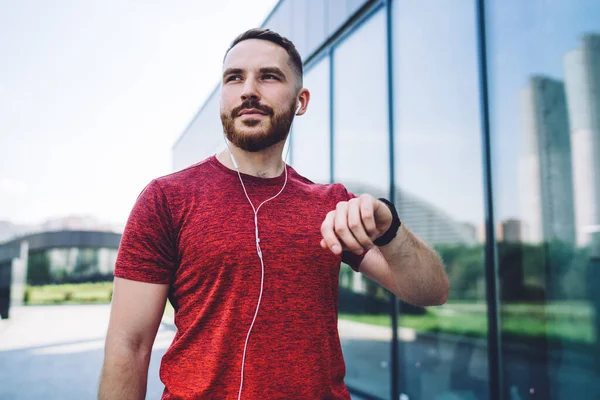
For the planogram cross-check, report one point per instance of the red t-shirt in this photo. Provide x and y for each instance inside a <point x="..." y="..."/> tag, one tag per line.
<point x="194" y="230"/>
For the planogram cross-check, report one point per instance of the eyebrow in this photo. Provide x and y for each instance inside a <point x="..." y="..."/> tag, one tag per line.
<point x="272" y="70"/>
<point x="264" y="70"/>
<point x="232" y="71"/>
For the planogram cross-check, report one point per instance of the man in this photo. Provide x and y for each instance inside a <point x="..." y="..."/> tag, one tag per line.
<point x="248" y="252"/>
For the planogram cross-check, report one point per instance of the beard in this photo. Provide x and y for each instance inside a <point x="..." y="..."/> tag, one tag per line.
<point x="277" y="131"/>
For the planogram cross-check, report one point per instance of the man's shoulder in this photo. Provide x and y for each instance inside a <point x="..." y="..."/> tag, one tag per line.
<point x="185" y="176"/>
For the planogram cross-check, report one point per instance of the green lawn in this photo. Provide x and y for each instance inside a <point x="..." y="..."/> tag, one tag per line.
<point x="81" y="293"/>
<point x="570" y="321"/>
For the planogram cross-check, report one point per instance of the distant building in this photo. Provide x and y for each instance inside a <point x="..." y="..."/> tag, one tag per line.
<point x="546" y="186"/>
<point x="63" y="256"/>
<point x="54" y="257"/>
<point x="582" y="78"/>
<point x="510" y="231"/>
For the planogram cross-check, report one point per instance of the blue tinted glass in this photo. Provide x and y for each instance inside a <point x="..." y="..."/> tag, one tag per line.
<point x="439" y="194"/>
<point x="361" y="140"/>
<point x="316" y="28"/>
<point x="310" y="135"/>
<point x="544" y="71"/>
<point x="336" y="15"/>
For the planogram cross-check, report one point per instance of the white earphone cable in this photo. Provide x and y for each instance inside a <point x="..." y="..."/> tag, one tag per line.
<point x="258" y="249"/>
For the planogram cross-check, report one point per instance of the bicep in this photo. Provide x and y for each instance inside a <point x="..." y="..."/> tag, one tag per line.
<point x="375" y="267"/>
<point x="136" y="311"/>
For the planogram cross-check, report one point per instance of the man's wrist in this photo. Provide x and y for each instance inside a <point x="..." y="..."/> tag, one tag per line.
<point x="392" y="231"/>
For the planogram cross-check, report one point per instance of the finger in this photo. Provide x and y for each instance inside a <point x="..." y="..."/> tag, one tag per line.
<point x="367" y="213"/>
<point x="355" y="223"/>
<point x="328" y="233"/>
<point x="342" y="230"/>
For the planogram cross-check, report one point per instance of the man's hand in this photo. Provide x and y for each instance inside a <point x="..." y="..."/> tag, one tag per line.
<point x="355" y="224"/>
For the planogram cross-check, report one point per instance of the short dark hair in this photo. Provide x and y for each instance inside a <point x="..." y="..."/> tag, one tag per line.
<point x="273" y="37"/>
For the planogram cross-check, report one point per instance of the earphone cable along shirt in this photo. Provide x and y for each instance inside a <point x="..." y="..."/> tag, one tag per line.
<point x="194" y="230"/>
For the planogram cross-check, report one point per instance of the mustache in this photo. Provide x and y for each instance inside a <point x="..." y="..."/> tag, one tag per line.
<point x="249" y="104"/>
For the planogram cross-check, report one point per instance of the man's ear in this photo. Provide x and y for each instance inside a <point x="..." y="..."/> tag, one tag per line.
<point x="303" y="99"/>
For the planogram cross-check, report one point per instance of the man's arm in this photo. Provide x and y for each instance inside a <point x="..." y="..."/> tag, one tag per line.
<point x="136" y="312"/>
<point x="409" y="268"/>
<point x="406" y="266"/>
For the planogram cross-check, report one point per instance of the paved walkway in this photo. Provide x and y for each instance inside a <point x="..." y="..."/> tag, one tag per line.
<point x="56" y="352"/>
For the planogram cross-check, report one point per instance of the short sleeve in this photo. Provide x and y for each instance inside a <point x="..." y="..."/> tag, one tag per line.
<point x="148" y="251"/>
<point x="348" y="257"/>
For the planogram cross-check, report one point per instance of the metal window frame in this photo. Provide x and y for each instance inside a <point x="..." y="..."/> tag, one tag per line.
<point x="494" y="343"/>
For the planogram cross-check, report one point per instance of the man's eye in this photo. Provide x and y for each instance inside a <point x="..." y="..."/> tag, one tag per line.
<point x="269" y="77"/>
<point x="233" y="78"/>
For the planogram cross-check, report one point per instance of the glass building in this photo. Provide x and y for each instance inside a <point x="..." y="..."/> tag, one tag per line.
<point x="480" y="120"/>
<point x="62" y="256"/>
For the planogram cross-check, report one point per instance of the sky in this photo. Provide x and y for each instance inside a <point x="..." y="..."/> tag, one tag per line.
<point x="526" y="39"/>
<point x="93" y="94"/>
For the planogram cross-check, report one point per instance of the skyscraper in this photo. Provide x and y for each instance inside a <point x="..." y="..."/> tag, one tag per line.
<point x="545" y="177"/>
<point x="510" y="230"/>
<point x="582" y="78"/>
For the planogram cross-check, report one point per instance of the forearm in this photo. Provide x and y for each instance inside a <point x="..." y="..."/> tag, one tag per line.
<point x="419" y="274"/>
<point x="124" y="373"/>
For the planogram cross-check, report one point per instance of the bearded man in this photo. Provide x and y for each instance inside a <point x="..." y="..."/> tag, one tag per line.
<point x="248" y="252"/>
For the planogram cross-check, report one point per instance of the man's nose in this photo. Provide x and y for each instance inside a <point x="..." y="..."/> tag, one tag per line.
<point x="250" y="91"/>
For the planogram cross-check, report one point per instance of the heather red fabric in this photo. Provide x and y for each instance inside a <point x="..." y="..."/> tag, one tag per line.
<point x="194" y="230"/>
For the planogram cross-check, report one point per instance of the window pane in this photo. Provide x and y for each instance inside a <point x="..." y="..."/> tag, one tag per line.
<point x="310" y="135"/>
<point x="439" y="194"/>
<point x="362" y="164"/>
<point x="300" y="21"/>
<point x="202" y="138"/>
<point x="316" y="24"/>
<point x="336" y="13"/>
<point x="361" y="138"/>
<point x="544" y="74"/>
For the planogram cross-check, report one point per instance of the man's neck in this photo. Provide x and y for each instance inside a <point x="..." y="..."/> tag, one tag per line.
<point x="263" y="164"/>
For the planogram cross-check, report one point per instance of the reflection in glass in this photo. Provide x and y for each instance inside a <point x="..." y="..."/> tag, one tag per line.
<point x="439" y="194"/>
<point x="361" y="163"/>
<point x="310" y="135"/>
<point x="545" y="112"/>
<point x="361" y="158"/>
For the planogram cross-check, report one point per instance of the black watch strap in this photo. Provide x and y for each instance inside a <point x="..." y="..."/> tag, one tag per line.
<point x="393" y="229"/>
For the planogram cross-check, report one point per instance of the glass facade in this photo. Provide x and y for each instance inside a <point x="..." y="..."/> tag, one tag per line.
<point x="491" y="110"/>
<point x="360" y="110"/>
<point x="439" y="193"/>
<point x="311" y="147"/>
<point x="544" y="72"/>
<point x="361" y="132"/>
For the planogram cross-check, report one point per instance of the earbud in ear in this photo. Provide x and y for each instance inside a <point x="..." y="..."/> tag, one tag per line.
<point x="298" y="108"/>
